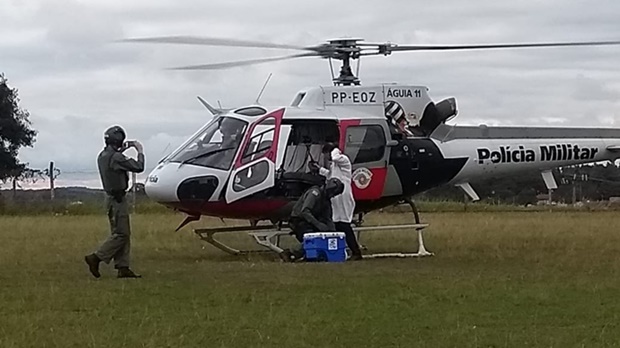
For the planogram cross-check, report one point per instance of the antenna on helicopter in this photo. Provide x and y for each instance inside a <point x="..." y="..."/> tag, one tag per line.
<point x="263" y="89"/>
<point x="211" y="109"/>
<point x="164" y="152"/>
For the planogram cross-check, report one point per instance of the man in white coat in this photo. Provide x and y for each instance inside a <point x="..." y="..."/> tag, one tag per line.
<point x="343" y="205"/>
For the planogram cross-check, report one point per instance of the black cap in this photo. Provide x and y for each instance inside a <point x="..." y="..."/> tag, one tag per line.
<point x="328" y="147"/>
<point x="115" y="136"/>
<point x="334" y="187"/>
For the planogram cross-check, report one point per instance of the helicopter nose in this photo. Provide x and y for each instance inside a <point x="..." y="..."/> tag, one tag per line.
<point x="161" y="185"/>
<point x="171" y="183"/>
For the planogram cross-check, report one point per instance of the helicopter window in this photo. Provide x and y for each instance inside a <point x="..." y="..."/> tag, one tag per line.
<point x="365" y="143"/>
<point x="260" y="141"/>
<point x="305" y="142"/>
<point x="251" y="111"/>
<point x="251" y="176"/>
<point x="216" y="146"/>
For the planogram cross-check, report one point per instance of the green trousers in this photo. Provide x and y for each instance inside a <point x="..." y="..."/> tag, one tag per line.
<point x="118" y="244"/>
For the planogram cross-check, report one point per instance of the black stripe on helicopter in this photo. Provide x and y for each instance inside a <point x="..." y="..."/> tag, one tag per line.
<point x="558" y="152"/>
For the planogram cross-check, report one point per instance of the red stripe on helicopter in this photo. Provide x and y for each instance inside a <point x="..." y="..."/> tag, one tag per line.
<point x="344" y="124"/>
<point x="271" y="154"/>
<point x="242" y="209"/>
<point x="368" y="183"/>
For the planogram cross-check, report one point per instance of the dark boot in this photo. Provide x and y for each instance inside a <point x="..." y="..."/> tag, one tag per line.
<point x="93" y="264"/>
<point x="125" y="272"/>
<point x="356" y="253"/>
<point x="298" y="254"/>
<point x="356" y="257"/>
<point x="292" y="255"/>
<point x="286" y="256"/>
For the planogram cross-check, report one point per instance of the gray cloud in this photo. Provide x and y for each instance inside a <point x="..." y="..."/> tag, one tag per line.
<point x="76" y="81"/>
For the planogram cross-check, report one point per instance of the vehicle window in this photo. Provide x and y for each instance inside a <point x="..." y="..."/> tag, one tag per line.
<point x="251" y="176"/>
<point x="261" y="139"/>
<point x="251" y="111"/>
<point x="365" y="144"/>
<point x="214" y="147"/>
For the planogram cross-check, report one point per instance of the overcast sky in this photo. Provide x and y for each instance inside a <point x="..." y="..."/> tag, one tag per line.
<point x="76" y="81"/>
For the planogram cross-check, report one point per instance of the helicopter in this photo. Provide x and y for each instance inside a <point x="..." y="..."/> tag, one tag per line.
<point x="252" y="162"/>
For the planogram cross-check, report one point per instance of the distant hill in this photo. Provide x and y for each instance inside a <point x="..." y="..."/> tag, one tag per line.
<point x="61" y="194"/>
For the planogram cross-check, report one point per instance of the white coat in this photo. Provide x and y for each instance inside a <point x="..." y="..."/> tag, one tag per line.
<point x="343" y="205"/>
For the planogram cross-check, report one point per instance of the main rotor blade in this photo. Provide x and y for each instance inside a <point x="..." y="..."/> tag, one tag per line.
<point x="227" y="65"/>
<point x="210" y="41"/>
<point x="496" y="46"/>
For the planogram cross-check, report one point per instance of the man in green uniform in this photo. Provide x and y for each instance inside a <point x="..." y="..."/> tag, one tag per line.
<point x="312" y="213"/>
<point x="113" y="169"/>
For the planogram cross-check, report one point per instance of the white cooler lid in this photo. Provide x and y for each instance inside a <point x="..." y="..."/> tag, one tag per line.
<point x="323" y="235"/>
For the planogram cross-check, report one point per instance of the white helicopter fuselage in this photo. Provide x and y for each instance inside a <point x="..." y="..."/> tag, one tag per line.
<point x="489" y="157"/>
<point x="252" y="162"/>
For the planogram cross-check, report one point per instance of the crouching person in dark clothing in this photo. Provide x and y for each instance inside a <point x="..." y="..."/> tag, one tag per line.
<point x="312" y="213"/>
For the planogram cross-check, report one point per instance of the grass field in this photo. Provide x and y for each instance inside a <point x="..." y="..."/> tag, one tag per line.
<point x="513" y="279"/>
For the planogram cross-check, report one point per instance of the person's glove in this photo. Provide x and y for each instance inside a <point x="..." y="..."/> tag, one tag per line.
<point x="314" y="167"/>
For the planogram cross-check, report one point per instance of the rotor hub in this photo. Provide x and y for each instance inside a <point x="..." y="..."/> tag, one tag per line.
<point x="344" y="49"/>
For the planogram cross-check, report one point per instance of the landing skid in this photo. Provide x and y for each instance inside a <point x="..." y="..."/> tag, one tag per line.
<point x="421" y="248"/>
<point x="268" y="236"/>
<point x="418" y="226"/>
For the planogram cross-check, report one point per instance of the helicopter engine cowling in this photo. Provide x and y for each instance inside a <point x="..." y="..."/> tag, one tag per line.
<point x="446" y="109"/>
<point x="436" y="114"/>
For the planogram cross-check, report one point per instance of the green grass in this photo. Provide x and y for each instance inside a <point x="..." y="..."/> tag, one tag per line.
<point x="146" y="206"/>
<point x="510" y="279"/>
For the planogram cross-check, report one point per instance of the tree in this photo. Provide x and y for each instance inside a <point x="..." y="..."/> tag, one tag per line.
<point x="15" y="131"/>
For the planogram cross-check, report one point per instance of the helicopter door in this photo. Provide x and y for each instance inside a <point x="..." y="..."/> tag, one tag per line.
<point x="255" y="167"/>
<point x="365" y="144"/>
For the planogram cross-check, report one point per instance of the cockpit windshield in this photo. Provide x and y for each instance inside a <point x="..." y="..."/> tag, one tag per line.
<point x="216" y="146"/>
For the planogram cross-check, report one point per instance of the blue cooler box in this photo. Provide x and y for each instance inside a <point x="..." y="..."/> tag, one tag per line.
<point x="325" y="246"/>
